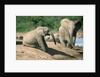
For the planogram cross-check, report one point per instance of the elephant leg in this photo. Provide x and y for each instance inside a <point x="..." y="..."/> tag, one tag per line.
<point x="74" y="40"/>
<point x="33" y="46"/>
<point x="69" y="46"/>
<point x="74" y="37"/>
<point x="42" y="43"/>
<point x="70" y="39"/>
<point x="57" y="40"/>
<point x="67" y="38"/>
<point x="62" y="41"/>
<point x="69" y="42"/>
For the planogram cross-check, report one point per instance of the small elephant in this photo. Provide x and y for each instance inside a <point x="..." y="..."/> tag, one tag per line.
<point x="35" y="38"/>
<point x="67" y="32"/>
<point x="50" y="38"/>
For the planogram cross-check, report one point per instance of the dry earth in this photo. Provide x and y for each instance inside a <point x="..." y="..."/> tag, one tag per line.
<point x="55" y="52"/>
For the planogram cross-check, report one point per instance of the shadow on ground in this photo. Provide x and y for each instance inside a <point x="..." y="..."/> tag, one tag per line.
<point x="53" y="52"/>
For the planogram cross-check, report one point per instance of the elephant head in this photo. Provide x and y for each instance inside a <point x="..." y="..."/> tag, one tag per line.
<point x="44" y="31"/>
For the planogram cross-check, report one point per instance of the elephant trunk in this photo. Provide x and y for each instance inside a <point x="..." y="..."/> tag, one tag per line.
<point x="53" y="38"/>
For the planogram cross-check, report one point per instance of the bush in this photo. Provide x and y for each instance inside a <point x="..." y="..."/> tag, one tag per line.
<point x="27" y="23"/>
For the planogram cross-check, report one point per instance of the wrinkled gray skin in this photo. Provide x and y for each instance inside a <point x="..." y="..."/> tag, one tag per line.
<point x="67" y="32"/>
<point x="50" y="38"/>
<point x="35" y="38"/>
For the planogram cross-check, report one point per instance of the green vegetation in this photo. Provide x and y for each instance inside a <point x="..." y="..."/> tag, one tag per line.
<point x="27" y="23"/>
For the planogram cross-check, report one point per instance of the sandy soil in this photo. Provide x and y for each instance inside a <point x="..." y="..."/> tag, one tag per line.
<point x="55" y="52"/>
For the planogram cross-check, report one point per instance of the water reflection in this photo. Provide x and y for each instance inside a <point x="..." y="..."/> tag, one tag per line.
<point x="79" y="42"/>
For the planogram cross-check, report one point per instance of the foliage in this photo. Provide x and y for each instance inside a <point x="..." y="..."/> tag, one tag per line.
<point x="27" y="23"/>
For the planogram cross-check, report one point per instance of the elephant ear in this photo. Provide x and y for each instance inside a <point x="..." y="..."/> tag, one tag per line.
<point x="40" y="32"/>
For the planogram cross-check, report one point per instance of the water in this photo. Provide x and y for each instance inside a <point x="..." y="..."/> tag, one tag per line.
<point x="79" y="42"/>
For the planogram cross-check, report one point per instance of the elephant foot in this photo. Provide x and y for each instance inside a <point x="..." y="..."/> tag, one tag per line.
<point x="70" y="46"/>
<point x="76" y="48"/>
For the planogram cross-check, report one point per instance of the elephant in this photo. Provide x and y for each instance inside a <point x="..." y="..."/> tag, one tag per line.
<point x="67" y="32"/>
<point x="35" y="38"/>
<point x="50" y="38"/>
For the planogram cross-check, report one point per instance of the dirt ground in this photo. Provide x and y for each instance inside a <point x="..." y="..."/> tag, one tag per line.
<point x="55" y="52"/>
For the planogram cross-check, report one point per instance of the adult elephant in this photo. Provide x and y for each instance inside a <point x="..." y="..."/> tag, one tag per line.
<point x="35" y="38"/>
<point x="67" y="32"/>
